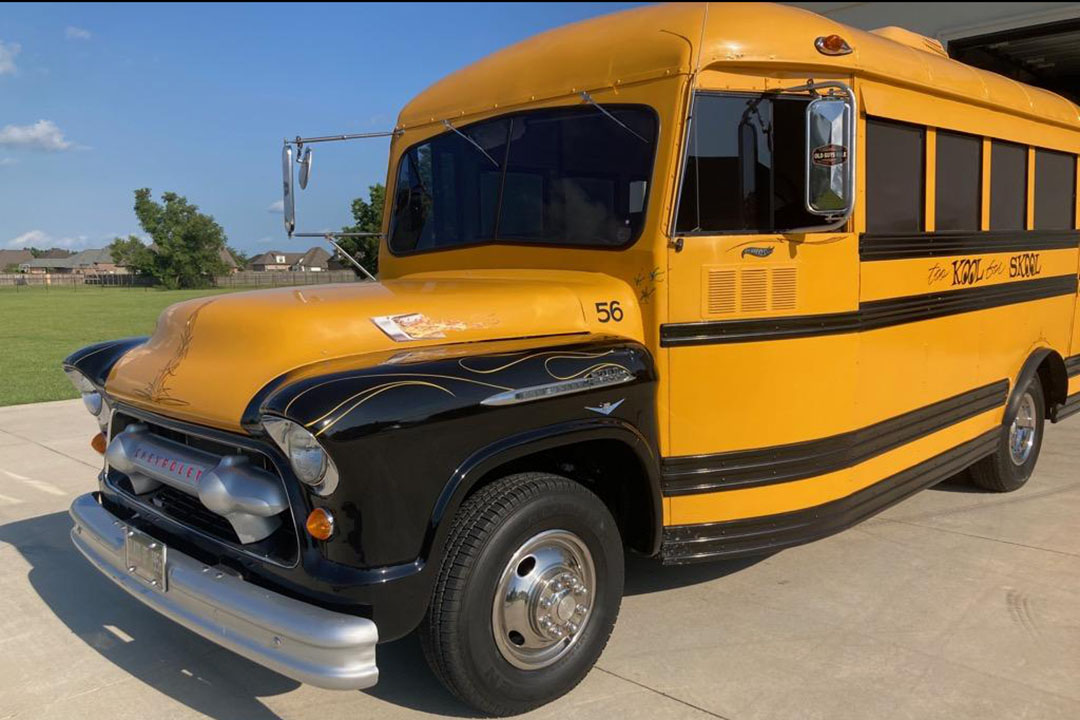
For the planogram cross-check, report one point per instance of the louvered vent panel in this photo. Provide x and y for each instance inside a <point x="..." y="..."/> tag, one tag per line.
<point x="783" y="289"/>
<point x="721" y="293"/>
<point x="753" y="295"/>
<point x="731" y="290"/>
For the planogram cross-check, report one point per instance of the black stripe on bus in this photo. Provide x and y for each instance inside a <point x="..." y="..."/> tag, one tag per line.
<point x="1070" y="407"/>
<point x="1072" y="365"/>
<point x="874" y="246"/>
<point x="692" y="474"/>
<point x="768" y="534"/>
<point x="870" y="315"/>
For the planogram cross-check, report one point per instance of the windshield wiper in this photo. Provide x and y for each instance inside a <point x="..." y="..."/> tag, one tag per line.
<point x="470" y="141"/>
<point x="588" y="98"/>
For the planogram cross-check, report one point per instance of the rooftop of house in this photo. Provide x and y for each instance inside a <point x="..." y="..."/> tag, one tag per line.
<point x="14" y="257"/>
<point x="313" y="257"/>
<point x="83" y="259"/>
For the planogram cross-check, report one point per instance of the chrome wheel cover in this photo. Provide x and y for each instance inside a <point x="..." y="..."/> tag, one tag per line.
<point x="1022" y="431"/>
<point x="544" y="599"/>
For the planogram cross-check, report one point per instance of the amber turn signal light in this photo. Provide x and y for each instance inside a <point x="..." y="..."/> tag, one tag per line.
<point x="320" y="524"/>
<point x="98" y="443"/>
<point x="832" y="45"/>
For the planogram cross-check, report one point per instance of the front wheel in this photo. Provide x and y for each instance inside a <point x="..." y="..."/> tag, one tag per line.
<point x="1011" y="465"/>
<point x="527" y="595"/>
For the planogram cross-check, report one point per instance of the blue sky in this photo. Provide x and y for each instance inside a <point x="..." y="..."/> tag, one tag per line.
<point x="98" y="100"/>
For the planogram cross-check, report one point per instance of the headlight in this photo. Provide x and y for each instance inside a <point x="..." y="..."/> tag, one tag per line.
<point x="308" y="459"/>
<point x="91" y="397"/>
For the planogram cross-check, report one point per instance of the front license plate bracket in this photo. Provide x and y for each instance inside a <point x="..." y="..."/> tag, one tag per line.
<point x="145" y="559"/>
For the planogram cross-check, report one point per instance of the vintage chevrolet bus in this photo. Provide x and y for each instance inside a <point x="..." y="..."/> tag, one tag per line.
<point x="690" y="281"/>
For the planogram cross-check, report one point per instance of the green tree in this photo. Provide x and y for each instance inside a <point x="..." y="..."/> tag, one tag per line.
<point x="187" y="243"/>
<point x="367" y="218"/>
<point x="132" y="254"/>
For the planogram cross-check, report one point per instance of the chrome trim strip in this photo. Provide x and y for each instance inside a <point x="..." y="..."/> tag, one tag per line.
<point x="301" y="641"/>
<point x="604" y="377"/>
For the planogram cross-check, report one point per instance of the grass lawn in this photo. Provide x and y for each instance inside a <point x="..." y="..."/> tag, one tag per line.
<point x="39" y="328"/>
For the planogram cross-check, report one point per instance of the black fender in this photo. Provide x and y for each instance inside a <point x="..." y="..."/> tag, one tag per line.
<point x="412" y="432"/>
<point x="96" y="361"/>
<point x="1055" y="381"/>
<point x="507" y="450"/>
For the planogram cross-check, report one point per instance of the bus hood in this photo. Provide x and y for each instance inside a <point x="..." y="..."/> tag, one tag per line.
<point x="208" y="357"/>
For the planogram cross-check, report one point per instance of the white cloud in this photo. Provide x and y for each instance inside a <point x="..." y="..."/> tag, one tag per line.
<point x="42" y="135"/>
<point x="8" y="51"/>
<point x="76" y="33"/>
<point x="42" y="239"/>
<point x="6" y="162"/>
<point x="277" y="207"/>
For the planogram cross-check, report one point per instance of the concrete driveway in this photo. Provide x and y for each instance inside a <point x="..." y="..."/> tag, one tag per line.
<point x="953" y="604"/>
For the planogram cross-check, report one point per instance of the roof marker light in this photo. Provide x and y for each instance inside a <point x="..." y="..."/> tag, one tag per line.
<point x="832" y="45"/>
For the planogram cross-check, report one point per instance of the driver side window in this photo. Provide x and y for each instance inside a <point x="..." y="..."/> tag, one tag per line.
<point x="744" y="168"/>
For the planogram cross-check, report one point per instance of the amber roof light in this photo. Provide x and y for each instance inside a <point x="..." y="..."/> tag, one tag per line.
<point x="832" y="45"/>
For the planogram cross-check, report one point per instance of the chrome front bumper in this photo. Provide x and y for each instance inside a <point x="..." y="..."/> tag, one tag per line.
<point x="301" y="641"/>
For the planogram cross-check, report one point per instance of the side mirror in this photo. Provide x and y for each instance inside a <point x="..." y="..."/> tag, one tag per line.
<point x="305" y="168"/>
<point x="830" y="156"/>
<point x="288" y="197"/>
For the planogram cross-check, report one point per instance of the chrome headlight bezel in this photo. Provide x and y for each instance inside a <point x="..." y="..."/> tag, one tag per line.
<point x="308" y="459"/>
<point x="92" y="396"/>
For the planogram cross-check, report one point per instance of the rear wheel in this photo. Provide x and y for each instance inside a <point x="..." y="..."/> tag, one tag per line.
<point x="1011" y="465"/>
<point x="527" y="594"/>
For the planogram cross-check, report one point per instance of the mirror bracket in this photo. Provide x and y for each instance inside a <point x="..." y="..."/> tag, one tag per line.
<point x="304" y="160"/>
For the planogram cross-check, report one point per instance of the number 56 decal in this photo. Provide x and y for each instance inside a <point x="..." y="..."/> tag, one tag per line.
<point x="608" y="311"/>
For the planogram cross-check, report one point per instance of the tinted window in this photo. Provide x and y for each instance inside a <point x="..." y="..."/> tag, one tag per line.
<point x="958" y="182"/>
<point x="1055" y="190"/>
<point x="1008" y="186"/>
<point x="895" y="174"/>
<point x="569" y="176"/>
<point x="745" y="166"/>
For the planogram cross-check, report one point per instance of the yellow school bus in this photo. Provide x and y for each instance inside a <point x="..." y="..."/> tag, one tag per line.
<point x="698" y="281"/>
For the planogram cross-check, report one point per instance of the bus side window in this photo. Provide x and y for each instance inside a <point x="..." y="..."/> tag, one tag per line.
<point x="958" y="182"/>
<point x="1008" y="186"/>
<point x="895" y="158"/>
<point x="1055" y="190"/>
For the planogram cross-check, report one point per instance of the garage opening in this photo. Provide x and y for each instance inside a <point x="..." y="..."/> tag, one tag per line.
<point x="1047" y="56"/>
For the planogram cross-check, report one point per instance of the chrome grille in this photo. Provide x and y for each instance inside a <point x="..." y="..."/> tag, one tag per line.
<point x="206" y="506"/>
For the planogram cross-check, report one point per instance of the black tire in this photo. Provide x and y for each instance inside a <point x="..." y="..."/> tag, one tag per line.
<point x="457" y="633"/>
<point x="999" y="472"/>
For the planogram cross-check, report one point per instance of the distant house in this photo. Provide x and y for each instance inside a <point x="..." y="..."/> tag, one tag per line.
<point x="315" y="259"/>
<point x="88" y="262"/>
<point x="230" y="262"/>
<point x="10" y="260"/>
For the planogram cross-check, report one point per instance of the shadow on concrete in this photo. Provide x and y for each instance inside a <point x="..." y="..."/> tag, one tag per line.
<point x="648" y="575"/>
<point x="219" y="683"/>
<point x="959" y="483"/>
<point x="173" y="660"/>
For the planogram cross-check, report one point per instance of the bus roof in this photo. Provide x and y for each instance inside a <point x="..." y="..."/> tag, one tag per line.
<point x="663" y="40"/>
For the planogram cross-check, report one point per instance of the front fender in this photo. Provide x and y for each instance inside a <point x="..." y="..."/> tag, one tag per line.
<point x="504" y="451"/>
<point x="411" y="435"/>
<point x="410" y="432"/>
<point x="96" y="361"/>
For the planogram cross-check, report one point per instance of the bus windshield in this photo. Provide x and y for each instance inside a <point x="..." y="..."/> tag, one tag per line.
<point x="563" y="176"/>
